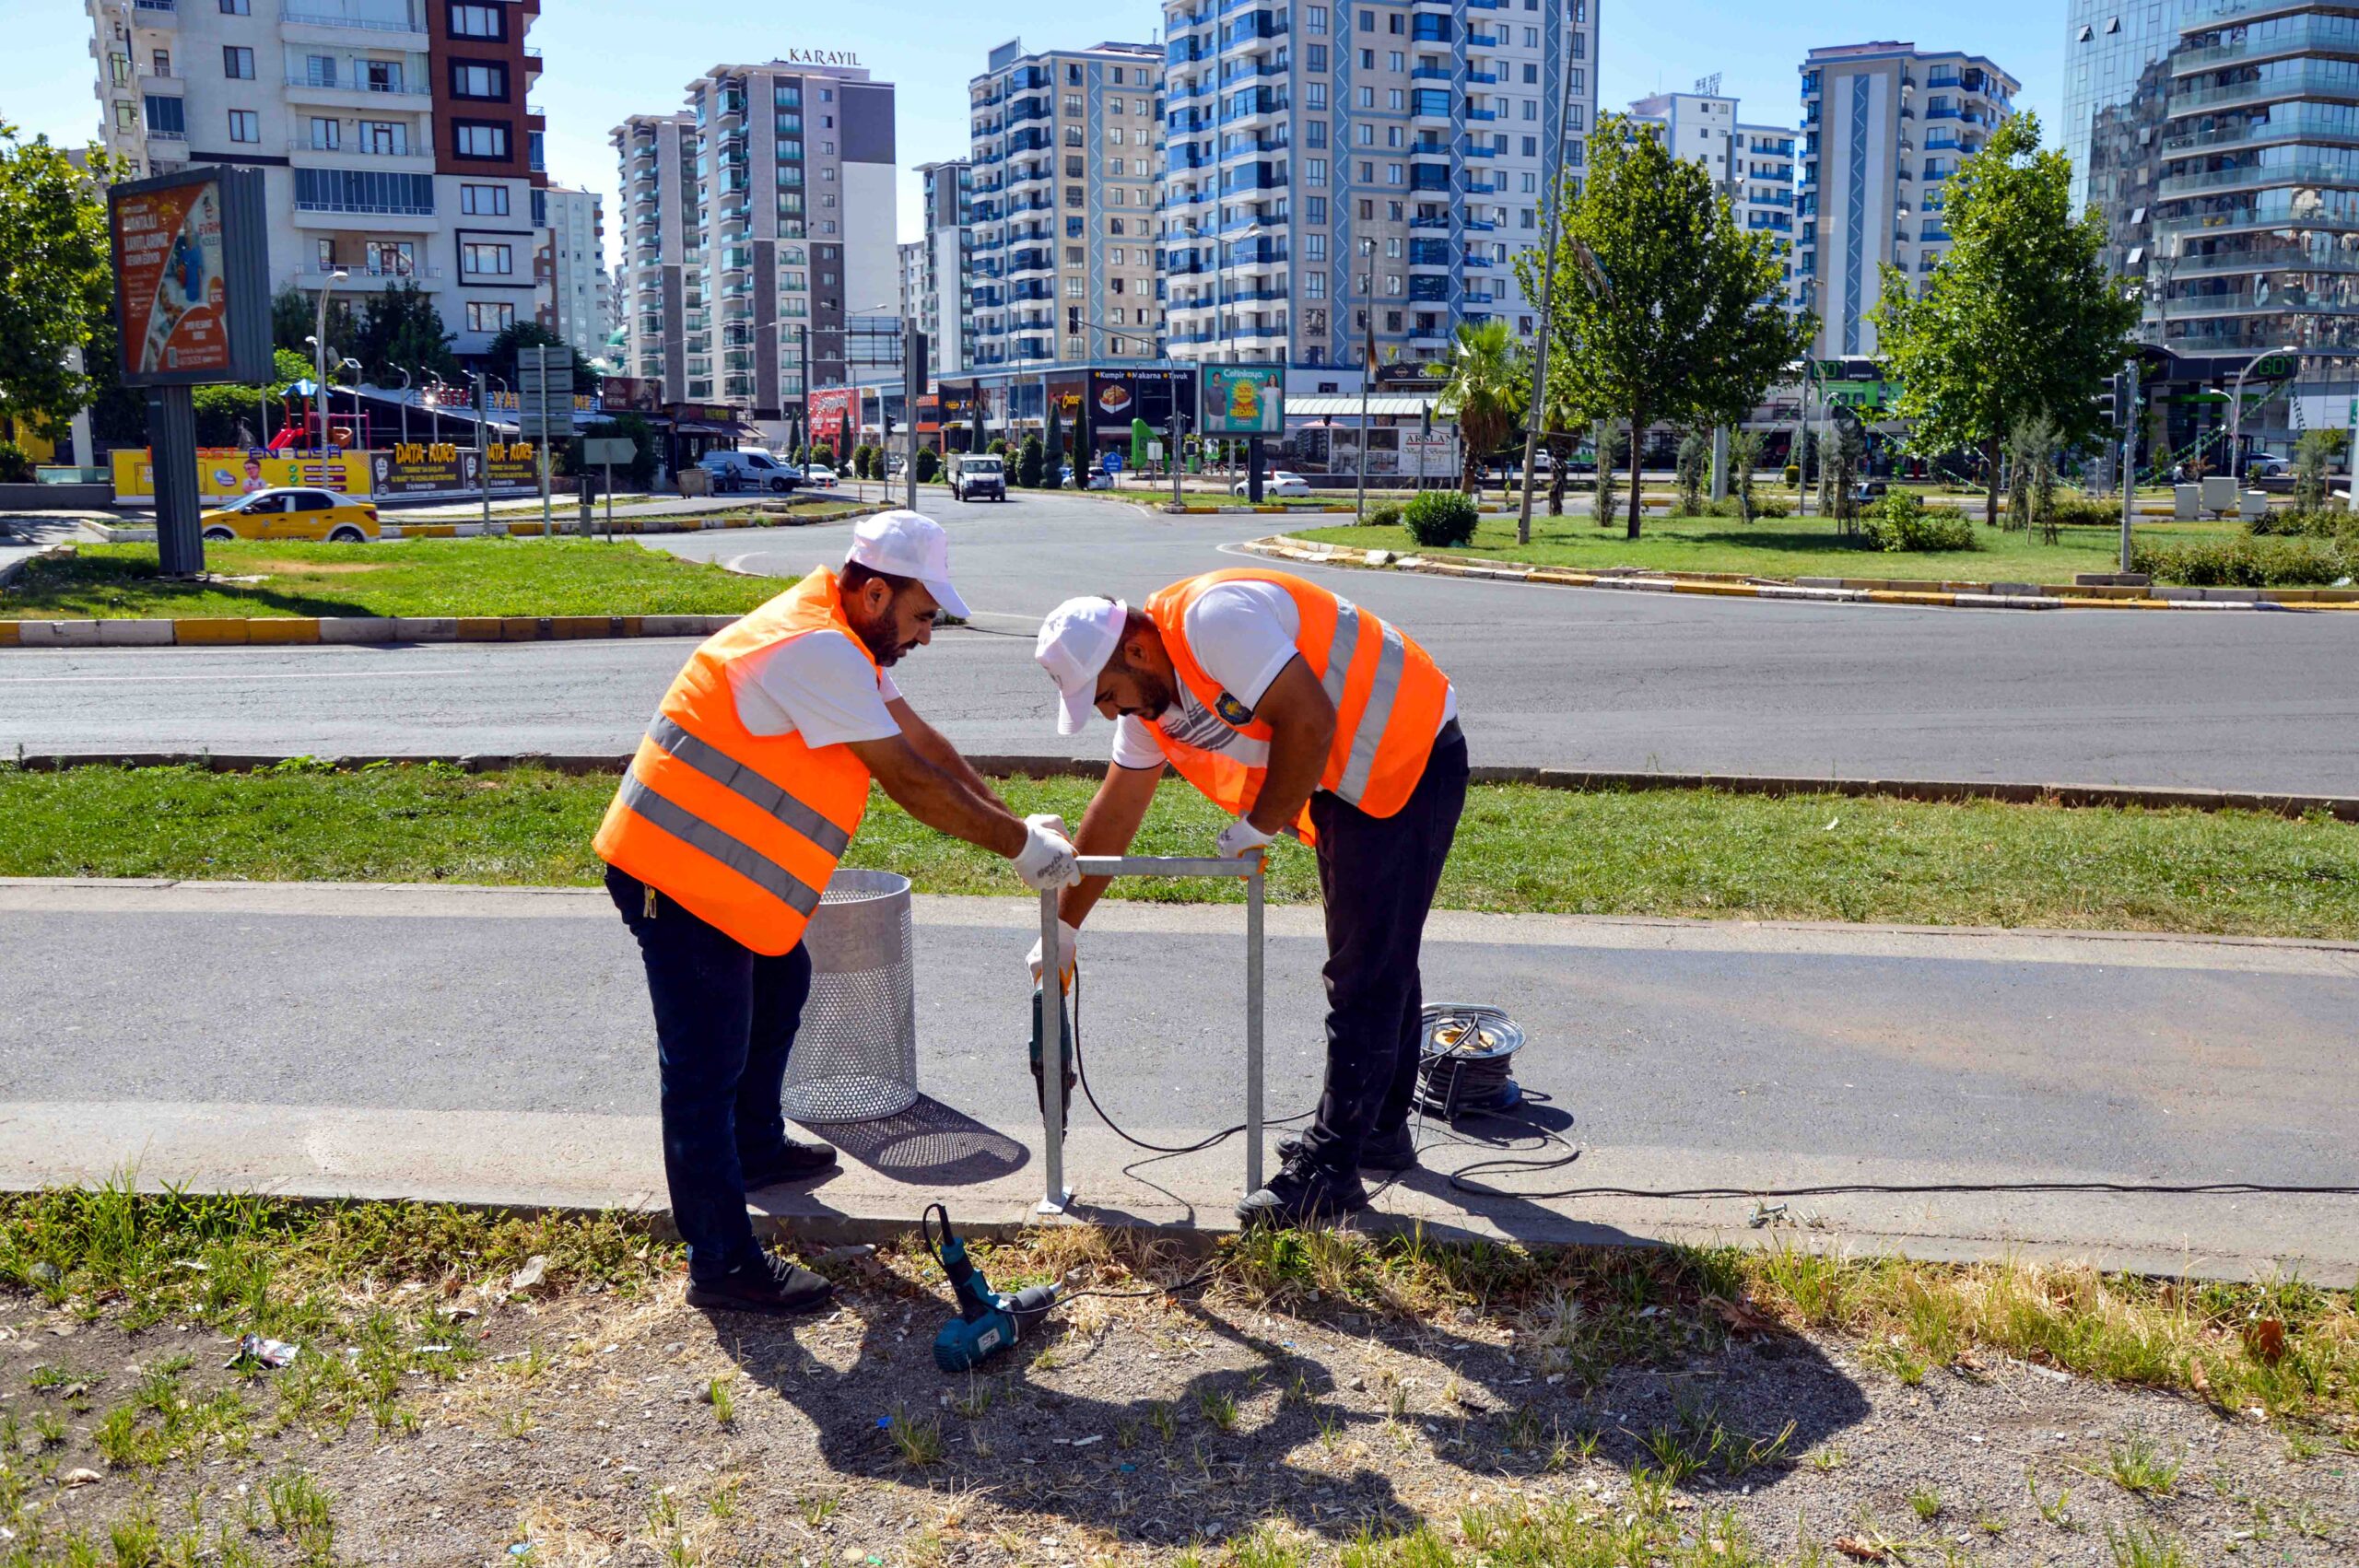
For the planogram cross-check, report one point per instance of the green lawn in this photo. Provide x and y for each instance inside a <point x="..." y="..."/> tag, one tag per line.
<point x="1668" y="852"/>
<point x="1786" y="547"/>
<point x="417" y="576"/>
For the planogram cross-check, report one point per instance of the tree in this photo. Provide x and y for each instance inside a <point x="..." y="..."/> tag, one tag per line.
<point x="1662" y="299"/>
<point x="1486" y="390"/>
<point x="640" y="472"/>
<point x="294" y="316"/>
<point x="2314" y="455"/>
<point x="1694" y="461"/>
<point x="56" y="277"/>
<point x="2021" y="318"/>
<point x="499" y="355"/>
<point x="1052" y="451"/>
<point x="400" y="329"/>
<point x="1028" y="466"/>
<point x="1745" y="456"/>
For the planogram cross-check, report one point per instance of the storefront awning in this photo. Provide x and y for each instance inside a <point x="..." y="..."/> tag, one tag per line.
<point x="1381" y="405"/>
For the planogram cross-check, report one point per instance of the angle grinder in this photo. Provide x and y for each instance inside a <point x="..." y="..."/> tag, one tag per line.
<point x="989" y="1321"/>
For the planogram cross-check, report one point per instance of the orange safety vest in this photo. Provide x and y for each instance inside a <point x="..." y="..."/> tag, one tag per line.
<point x="1388" y="698"/>
<point x="739" y="829"/>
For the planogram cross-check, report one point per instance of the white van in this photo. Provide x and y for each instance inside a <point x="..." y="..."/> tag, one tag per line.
<point x="748" y="468"/>
<point x="974" y="475"/>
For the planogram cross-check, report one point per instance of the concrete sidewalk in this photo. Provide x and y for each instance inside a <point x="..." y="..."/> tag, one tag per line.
<point x="495" y="1044"/>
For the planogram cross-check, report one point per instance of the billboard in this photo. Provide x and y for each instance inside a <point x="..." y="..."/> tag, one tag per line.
<point x="422" y="468"/>
<point x="226" y="473"/>
<point x="192" y="284"/>
<point x="1244" y="399"/>
<point x="1116" y="397"/>
<point x="835" y="414"/>
<point x="636" y="395"/>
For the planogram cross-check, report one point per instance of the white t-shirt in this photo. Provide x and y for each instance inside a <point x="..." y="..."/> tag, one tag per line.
<point x="817" y="683"/>
<point x="1243" y="633"/>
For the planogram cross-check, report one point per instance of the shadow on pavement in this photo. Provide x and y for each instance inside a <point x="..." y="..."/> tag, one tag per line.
<point x="929" y="1145"/>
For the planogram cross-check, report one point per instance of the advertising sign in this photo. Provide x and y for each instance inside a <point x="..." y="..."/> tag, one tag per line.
<point x="191" y="278"/>
<point x="1116" y="397"/>
<point x="835" y="413"/>
<point x="1244" y="399"/>
<point x="1429" y="457"/>
<point x="636" y="395"/>
<point x="436" y="468"/>
<point x="226" y="473"/>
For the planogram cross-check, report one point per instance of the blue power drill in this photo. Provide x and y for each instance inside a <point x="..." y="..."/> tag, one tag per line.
<point x="989" y="1321"/>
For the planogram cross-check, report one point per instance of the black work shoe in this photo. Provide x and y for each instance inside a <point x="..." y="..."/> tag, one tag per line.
<point x="791" y="1163"/>
<point x="1304" y="1193"/>
<point x="768" y="1284"/>
<point x="1389" y="1152"/>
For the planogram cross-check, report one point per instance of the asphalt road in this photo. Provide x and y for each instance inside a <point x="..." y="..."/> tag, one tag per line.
<point x="1546" y="676"/>
<point x="499" y="1040"/>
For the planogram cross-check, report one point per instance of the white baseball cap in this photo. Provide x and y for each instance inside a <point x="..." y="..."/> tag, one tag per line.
<point x="908" y="544"/>
<point x="1076" y="641"/>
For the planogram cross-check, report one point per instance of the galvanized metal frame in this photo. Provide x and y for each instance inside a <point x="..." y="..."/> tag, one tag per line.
<point x="1057" y="1196"/>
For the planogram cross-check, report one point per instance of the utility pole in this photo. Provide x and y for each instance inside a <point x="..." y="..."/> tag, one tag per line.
<point x="2129" y="461"/>
<point x="1539" y="409"/>
<point x="803" y="342"/>
<point x="483" y="452"/>
<point x="914" y="377"/>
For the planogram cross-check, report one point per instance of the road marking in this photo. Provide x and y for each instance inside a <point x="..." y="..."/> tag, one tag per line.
<point x="403" y="673"/>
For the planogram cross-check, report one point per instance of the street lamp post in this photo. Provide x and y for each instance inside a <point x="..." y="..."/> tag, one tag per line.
<point x="403" y="372"/>
<point x="2236" y="409"/>
<point x="1538" y="410"/>
<point x="319" y="354"/>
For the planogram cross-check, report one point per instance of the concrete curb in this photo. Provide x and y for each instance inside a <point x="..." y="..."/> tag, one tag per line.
<point x="1953" y="791"/>
<point x="302" y="631"/>
<point x="1822" y="591"/>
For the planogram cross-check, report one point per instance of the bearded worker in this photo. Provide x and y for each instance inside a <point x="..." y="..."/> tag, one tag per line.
<point x="746" y="791"/>
<point x="1296" y="711"/>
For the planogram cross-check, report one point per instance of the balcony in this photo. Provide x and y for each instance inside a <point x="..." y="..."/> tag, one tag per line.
<point x="346" y="93"/>
<point x="2258" y="176"/>
<point x="2329" y="85"/>
<point x="359" y="17"/>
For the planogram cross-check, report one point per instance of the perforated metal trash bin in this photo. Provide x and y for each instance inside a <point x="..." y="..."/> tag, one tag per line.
<point x="855" y="1056"/>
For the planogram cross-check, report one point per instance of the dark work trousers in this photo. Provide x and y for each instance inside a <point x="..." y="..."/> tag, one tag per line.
<point x="724" y="1021"/>
<point x="1379" y="877"/>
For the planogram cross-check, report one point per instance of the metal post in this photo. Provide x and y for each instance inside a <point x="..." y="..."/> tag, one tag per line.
<point x="1539" y="409"/>
<point x="482" y="451"/>
<point x="2130" y="463"/>
<point x="1053" y="1059"/>
<point x="1368" y="374"/>
<point x="1171" y="451"/>
<point x="914" y="371"/>
<point x="1254" y="1027"/>
<point x="1719" y="462"/>
<point x="171" y="433"/>
<point x="610" y="503"/>
<point x="405" y="375"/>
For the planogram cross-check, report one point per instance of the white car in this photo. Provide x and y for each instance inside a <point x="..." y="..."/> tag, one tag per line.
<point x="818" y="476"/>
<point x="1277" y="482"/>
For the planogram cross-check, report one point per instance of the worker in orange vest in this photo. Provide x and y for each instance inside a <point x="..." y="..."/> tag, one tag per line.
<point x="745" y="792"/>
<point x="1296" y="711"/>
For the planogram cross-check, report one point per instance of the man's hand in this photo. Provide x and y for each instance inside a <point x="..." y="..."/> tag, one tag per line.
<point x="1068" y="945"/>
<point x="1239" y="838"/>
<point x="1048" y="859"/>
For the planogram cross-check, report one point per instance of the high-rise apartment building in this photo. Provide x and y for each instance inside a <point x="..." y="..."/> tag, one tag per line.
<point x="946" y="303"/>
<point x="396" y="138"/>
<point x="761" y="215"/>
<point x="1065" y="155"/>
<point x="1753" y="164"/>
<point x="1336" y="168"/>
<point x="1884" y="127"/>
<point x="911" y="256"/>
<point x="581" y="293"/>
<point x="2216" y="142"/>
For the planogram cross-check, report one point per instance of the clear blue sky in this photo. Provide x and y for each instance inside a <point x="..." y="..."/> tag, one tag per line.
<point x="607" y="58"/>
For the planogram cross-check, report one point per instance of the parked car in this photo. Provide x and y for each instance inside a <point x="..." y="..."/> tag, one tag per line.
<point x="1277" y="482"/>
<point x="978" y="475"/>
<point x="748" y="468"/>
<point x="290" y="513"/>
<point x="2266" y="465"/>
<point x="1098" y="480"/>
<point x="818" y="476"/>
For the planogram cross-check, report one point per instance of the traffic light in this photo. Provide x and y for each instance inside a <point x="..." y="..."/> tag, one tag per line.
<point x="2109" y="403"/>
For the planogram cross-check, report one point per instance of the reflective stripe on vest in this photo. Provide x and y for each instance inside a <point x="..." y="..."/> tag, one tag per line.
<point x="735" y="853"/>
<point x="731" y="774"/>
<point x="1370" y="735"/>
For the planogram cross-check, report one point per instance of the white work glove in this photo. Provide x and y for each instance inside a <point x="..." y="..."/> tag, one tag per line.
<point x="1240" y="837"/>
<point x="1048" y="859"/>
<point x="1068" y="944"/>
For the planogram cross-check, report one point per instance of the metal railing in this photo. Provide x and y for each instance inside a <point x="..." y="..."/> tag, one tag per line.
<point x="1056" y="1196"/>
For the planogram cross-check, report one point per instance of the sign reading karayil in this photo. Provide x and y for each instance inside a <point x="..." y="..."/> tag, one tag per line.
<point x="1244" y="399"/>
<point x="819" y="57"/>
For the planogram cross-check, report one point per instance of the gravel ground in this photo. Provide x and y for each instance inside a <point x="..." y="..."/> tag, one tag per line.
<point x="585" y="1429"/>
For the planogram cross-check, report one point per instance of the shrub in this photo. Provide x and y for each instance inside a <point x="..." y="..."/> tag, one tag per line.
<point x="15" y="467"/>
<point x="2293" y="522"/>
<point x="928" y="465"/>
<point x="1027" y="465"/>
<point x="1903" y="521"/>
<point x="1385" y="514"/>
<point x="2087" y="511"/>
<point x="2244" y="563"/>
<point x="1793" y="476"/>
<point x="1442" y="519"/>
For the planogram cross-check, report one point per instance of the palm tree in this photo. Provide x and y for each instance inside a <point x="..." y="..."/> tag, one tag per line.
<point x="1485" y="386"/>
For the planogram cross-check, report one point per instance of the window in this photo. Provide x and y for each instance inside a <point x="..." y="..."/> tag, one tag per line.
<point x="479" y="138"/>
<point x="319" y="70"/>
<point x="386" y="138"/>
<point x="1315" y="21"/>
<point x="353" y="190"/>
<point x="380" y="75"/>
<point x="484" y="201"/>
<point x="327" y="132"/>
<point x="237" y="63"/>
<point x="486" y="316"/>
<point x="162" y="60"/>
<point x="393" y="258"/>
<point x="479" y="80"/>
<point x="484" y="259"/>
<point x="325" y="254"/>
<point x="1073" y="103"/>
<point x="237" y="8"/>
<point x="245" y="126"/>
<point x="476" y="21"/>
